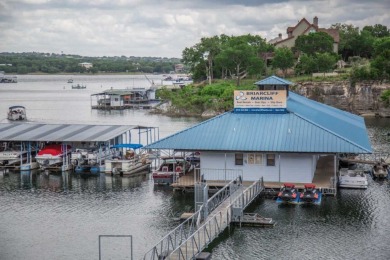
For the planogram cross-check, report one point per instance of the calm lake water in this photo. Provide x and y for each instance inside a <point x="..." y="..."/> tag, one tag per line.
<point x="60" y="216"/>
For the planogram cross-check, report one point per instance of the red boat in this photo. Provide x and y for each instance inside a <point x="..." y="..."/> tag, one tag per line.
<point x="170" y="169"/>
<point x="311" y="194"/>
<point x="52" y="155"/>
<point x="288" y="194"/>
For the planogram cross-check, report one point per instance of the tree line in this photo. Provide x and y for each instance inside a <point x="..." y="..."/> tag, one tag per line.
<point x="34" y="62"/>
<point x="240" y="59"/>
<point x="223" y="56"/>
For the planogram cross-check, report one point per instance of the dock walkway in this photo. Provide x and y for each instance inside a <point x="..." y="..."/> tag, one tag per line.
<point x="197" y="232"/>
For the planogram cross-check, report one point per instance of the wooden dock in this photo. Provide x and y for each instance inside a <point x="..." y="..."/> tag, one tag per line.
<point x="255" y="220"/>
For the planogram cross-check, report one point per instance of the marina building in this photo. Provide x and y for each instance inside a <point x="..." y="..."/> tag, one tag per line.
<point x="276" y="134"/>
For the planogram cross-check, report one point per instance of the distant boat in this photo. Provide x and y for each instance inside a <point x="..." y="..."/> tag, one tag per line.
<point x="78" y="86"/>
<point x="16" y="113"/>
<point x="70" y="80"/>
<point x="177" y="80"/>
<point x="7" y="79"/>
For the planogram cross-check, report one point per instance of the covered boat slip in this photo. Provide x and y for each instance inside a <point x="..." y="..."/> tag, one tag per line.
<point x="125" y="98"/>
<point x="77" y="135"/>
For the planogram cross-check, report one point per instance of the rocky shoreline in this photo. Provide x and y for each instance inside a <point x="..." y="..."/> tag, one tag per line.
<point x="362" y="98"/>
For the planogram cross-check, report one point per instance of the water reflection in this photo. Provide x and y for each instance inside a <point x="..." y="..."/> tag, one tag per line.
<point x="68" y="181"/>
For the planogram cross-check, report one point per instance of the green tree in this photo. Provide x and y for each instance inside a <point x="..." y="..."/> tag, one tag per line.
<point x="325" y="61"/>
<point x="348" y="34"/>
<point x="381" y="63"/>
<point x="201" y="57"/>
<point x="312" y="43"/>
<point x="377" y="31"/>
<point x="283" y="59"/>
<point x="306" y="64"/>
<point x="240" y="57"/>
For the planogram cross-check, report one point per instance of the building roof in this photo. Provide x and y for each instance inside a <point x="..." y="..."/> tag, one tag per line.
<point x="273" y="80"/>
<point x="122" y="92"/>
<point x="308" y="127"/>
<point x="61" y="132"/>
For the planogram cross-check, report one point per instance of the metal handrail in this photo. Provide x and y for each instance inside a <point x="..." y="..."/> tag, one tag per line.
<point x="184" y="252"/>
<point x="174" y="238"/>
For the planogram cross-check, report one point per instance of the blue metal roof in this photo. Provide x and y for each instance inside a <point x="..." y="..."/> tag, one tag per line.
<point x="308" y="126"/>
<point x="273" y="80"/>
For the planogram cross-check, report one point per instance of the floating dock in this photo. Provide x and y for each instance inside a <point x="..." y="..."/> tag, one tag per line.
<point x="255" y="220"/>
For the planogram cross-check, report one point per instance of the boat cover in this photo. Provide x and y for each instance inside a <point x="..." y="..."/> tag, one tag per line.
<point x="132" y="146"/>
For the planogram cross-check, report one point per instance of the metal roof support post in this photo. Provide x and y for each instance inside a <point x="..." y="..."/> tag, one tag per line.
<point x="279" y="167"/>
<point x="21" y="153"/>
<point x="225" y="168"/>
<point x="205" y="199"/>
<point x="335" y="174"/>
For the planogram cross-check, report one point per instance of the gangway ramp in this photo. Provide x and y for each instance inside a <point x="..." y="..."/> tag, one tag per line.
<point x="192" y="236"/>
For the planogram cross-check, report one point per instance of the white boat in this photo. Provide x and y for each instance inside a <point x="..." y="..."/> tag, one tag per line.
<point x="128" y="164"/>
<point x="11" y="155"/>
<point x="91" y="160"/>
<point x="53" y="155"/>
<point x="79" y="86"/>
<point x="16" y="113"/>
<point x="79" y="156"/>
<point x="177" y="80"/>
<point x="352" y="178"/>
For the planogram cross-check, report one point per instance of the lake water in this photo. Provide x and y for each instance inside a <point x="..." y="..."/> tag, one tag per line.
<point x="60" y="216"/>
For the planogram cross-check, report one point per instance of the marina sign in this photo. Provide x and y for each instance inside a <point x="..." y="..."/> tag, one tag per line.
<point x="260" y="101"/>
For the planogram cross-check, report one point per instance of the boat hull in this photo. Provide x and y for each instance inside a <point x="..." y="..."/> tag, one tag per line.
<point x="288" y="200"/>
<point x="352" y="179"/>
<point x="311" y="200"/>
<point x="163" y="179"/>
<point x="126" y="167"/>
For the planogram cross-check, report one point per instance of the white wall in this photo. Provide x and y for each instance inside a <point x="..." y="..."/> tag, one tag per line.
<point x="116" y="101"/>
<point x="289" y="168"/>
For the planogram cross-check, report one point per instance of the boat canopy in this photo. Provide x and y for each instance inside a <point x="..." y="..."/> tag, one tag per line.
<point x="132" y="146"/>
<point x="13" y="107"/>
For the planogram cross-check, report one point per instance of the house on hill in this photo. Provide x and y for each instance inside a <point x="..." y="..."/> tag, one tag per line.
<point x="304" y="27"/>
<point x="275" y="134"/>
<point x="86" y="65"/>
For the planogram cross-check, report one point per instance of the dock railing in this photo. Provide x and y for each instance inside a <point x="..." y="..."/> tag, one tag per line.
<point x="185" y="230"/>
<point x="216" y="223"/>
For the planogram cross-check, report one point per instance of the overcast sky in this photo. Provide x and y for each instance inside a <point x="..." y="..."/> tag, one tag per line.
<point x="163" y="28"/>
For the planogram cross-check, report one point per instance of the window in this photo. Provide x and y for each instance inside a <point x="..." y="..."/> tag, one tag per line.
<point x="255" y="158"/>
<point x="270" y="159"/>
<point x="239" y="158"/>
<point x="269" y="87"/>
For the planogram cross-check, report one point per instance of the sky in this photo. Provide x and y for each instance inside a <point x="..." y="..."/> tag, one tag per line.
<point x="163" y="28"/>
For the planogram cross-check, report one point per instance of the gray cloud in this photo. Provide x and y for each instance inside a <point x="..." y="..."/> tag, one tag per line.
<point x="160" y="27"/>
